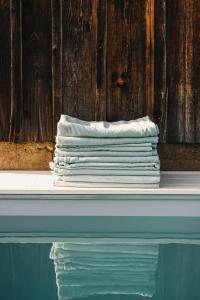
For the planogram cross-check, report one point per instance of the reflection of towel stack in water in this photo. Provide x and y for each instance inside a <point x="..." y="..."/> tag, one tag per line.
<point x="102" y="154"/>
<point x="100" y="267"/>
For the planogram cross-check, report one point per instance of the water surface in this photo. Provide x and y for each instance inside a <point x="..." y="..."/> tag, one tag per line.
<point x="27" y="273"/>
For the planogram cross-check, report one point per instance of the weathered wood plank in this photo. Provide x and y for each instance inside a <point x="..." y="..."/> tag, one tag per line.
<point x="101" y="72"/>
<point x="37" y="72"/>
<point x="5" y="66"/>
<point x="196" y="69"/>
<point x="189" y="92"/>
<point x="126" y="57"/>
<point x="176" y="70"/>
<point x="79" y="58"/>
<point x="177" y="157"/>
<point x="15" y="128"/>
<point x="56" y="6"/>
<point x="175" y="78"/>
<point x="150" y="57"/>
<point x="161" y="94"/>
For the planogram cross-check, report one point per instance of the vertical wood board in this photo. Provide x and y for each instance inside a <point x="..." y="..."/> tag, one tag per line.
<point x="79" y="58"/>
<point x="126" y="57"/>
<point x="5" y="69"/>
<point x="37" y="70"/>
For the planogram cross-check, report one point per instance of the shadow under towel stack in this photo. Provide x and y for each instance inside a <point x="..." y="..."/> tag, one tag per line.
<point x="102" y="154"/>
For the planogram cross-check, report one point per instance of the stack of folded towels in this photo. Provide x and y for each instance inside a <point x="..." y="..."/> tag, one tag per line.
<point x="104" y="267"/>
<point x="102" y="154"/>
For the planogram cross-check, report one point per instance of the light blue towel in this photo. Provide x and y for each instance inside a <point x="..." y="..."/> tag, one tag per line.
<point x="127" y="147"/>
<point x="108" y="178"/>
<point x="104" y="159"/>
<point x="105" y="166"/>
<point x="103" y="154"/>
<point x="98" y="267"/>
<point x="61" y="153"/>
<point x="143" y="127"/>
<point x="78" y="184"/>
<point x="62" y="141"/>
<point x="103" y="171"/>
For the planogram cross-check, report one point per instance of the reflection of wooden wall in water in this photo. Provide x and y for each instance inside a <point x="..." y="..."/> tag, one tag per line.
<point x="102" y="60"/>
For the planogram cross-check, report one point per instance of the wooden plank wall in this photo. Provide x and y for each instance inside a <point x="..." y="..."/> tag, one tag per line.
<point x="177" y="71"/>
<point x="99" y="60"/>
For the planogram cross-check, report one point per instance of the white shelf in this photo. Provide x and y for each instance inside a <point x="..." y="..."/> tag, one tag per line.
<point x="31" y="206"/>
<point x="41" y="182"/>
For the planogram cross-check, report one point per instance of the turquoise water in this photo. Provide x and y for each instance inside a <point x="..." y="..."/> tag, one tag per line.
<point x="27" y="273"/>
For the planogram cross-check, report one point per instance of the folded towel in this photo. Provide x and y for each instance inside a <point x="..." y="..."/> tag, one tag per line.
<point x="143" y="127"/>
<point x="104" y="159"/>
<point x="107" y="178"/>
<point x="104" y="166"/>
<point x="65" y="153"/>
<point x="106" y="185"/>
<point x="112" y="172"/>
<point x="62" y="141"/>
<point x="103" y="154"/>
<point x="127" y="147"/>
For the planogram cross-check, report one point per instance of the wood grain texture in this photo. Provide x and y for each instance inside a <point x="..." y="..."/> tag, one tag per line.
<point x="150" y="41"/>
<point x="196" y="69"/>
<point x="15" y="128"/>
<point x="37" y="72"/>
<point x="175" y="77"/>
<point x="79" y="58"/>
<point x="176" y="157"/>
<point x="5" y="69"/>
<point x="126" y="57"/>
<point x="176" y="105"/>
<point x="101" y="63"/>
<point x="56" y="6"/>
<point x="161" y="92"/>
<point x="99" y="60"/>
<point x="189" y="97"/>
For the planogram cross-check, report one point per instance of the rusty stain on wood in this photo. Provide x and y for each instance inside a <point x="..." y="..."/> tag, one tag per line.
<point x="150" y="57"/>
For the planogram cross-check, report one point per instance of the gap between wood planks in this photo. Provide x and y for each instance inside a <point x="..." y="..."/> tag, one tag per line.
<point x="36" y="156"/>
